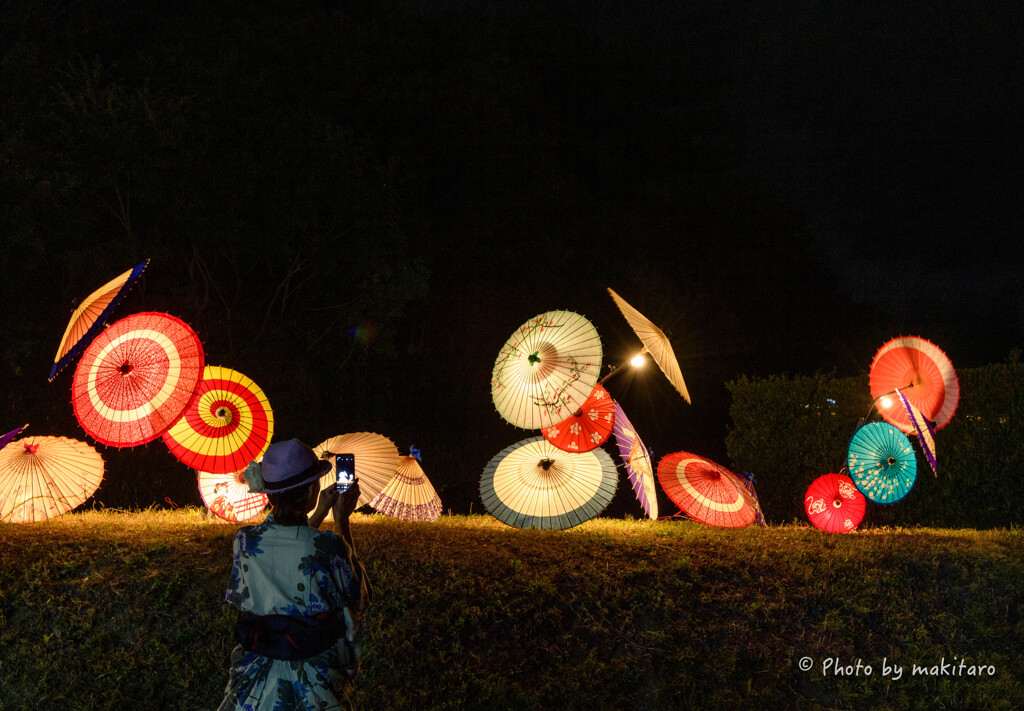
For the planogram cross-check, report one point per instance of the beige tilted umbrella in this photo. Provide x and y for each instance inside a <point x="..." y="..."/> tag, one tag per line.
<point x="376" y="461"/>
<point x="546" y="370"/>
<point x="655" y="342"/>
<point x="44" y="477"/>
<point x="409" y="495"/>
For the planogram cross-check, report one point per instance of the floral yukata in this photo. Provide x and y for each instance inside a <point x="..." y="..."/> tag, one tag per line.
<point x="295" y="571"/>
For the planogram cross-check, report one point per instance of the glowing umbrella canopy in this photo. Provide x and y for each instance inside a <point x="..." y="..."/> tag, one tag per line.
<point x="881" y="462"/>
<point x="91" y="315"/>
<point x="409" y="495"/>
<point x="925" y="430"/>
<point x="588" y="427"/>
<point x="376" y="461"/>
<point x="833" y="503"/>
<point x="228" y="424"/>
<point x="922" y="372"/>
<point x="44" y="477"/>
<point x="136" y="378"/>
<point x="706" y="491"/>
<point x="534" y="484"/>
<point x="655" y="342"/>
<point x="228" y="496"/>
<point x="546" y="370"/>
<point x="637" y="459"/>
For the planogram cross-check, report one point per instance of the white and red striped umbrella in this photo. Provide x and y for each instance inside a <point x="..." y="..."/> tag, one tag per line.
<point x="706" y="491"/>
<point x="136" y="378"/>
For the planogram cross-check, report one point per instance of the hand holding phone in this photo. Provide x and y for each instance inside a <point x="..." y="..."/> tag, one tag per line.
<point x="345" y="470"/>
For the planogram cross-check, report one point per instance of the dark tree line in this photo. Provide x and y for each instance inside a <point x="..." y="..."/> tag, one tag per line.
<point x="356" y="204"/>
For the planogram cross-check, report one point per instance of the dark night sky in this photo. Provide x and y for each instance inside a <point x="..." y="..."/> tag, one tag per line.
<point x="893" y="130"/>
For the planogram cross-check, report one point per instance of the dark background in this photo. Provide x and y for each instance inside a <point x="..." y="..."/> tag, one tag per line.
<point x="356" y="204"/>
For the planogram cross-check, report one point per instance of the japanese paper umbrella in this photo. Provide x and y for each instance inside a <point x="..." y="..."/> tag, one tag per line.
<point x="833" y="503"/>
<point x="925" y="430"/>
<point x="44" y="477"/>
<point x="546" y="370"/>
<point x="881" y="462"/>
<point x="9" y="437"/>
<point x="706" y="491"/>
<point x="586" y="428"/>
<point x="228" y="424"/>
<point x="228" y="496"/>
<point x="91" y="315"/>
<point x="655" y="342"/>
<point x="136" y="378"/>
<point x="534" y="484"/>
<point x="923" y="373"/>
<point x="637" y="459"/>
<point x="409" y="495"/>
<point x="376" y="461"/>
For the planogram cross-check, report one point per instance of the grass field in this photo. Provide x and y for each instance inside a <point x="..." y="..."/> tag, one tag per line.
<point x="123" y="610"/>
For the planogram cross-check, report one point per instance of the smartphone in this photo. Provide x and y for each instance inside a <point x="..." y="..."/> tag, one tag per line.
<point x="345" y="469"/>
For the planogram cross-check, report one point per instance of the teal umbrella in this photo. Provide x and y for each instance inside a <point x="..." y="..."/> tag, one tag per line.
<point x="881" y="462"/>
<point x="534" y="484"/>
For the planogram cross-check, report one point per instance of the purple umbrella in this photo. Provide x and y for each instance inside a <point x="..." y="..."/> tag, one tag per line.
<point x="9" y="437"/>
<point x="924" y="428"/>
<point x="638" y="462"/>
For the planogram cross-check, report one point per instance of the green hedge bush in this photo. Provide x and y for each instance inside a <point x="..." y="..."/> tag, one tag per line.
<point x="788" y="430"/>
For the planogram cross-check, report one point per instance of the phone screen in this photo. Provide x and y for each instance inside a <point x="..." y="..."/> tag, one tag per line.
<point x="345" y="469"/>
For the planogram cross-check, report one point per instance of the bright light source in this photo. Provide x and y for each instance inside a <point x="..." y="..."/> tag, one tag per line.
<point x="886" y="402"/>
<point x="637" y="361"/>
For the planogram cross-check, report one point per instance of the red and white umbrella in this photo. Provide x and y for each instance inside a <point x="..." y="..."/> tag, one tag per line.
<point x="228" y="424"/>
<point x="44" y="477"/>
<point x="834" y="504"/>
<point x="136" y="378"/>
<point x="922" y="372"/>
<point x="706" y="491"/>
<point x="586" y="428"/>
<point x="228" y="496"/>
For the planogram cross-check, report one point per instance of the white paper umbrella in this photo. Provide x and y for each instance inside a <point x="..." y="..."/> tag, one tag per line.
<point x="228" y="496"/>
<point x="44" y="477"/>
<point x="655" y="342"/>
<point x="409" y="495"/>
<point x="376" y="461"/>
<point x="534" y="484"/>
<point x="546" y="370"/>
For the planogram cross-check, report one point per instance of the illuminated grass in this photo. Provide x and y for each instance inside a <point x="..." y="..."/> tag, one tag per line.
<point x="109" y="609"/>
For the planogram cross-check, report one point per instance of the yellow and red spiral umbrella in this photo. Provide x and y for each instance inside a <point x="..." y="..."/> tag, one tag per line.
<point x="44" y="477"/>
<point x="136" y="378"/>
<point x="228" y="424"/>
<point x="228" y="496"/>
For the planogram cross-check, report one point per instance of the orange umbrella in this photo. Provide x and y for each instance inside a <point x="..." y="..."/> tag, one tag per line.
<point x="43" y="477"/>
<point x="91" y="315"/>
<point x="228" y="424"/>
<point x="655" y="342"/>
<point x="706" y="491"/>
<point x="922" y="372"/>
<point x="588" y="427"/>
<point x="136" y="379"/>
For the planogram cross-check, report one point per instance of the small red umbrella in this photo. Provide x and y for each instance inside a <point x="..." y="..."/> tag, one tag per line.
<point x="923" y="373"/>
<point x="228" y="424"/>
<point x="586" y="428"/>
<point x="706" y="491"/>
<point x="228" y="496"/>
<point x="136" y="378"/>
<point x="834" y="504"/>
